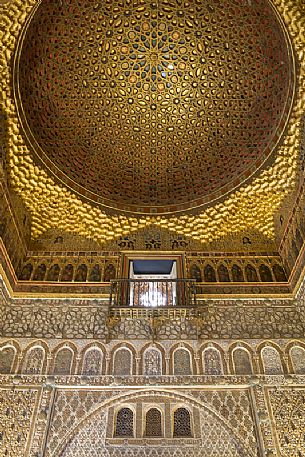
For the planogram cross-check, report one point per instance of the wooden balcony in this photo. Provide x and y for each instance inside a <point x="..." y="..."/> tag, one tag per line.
<point x="153" y="293"/>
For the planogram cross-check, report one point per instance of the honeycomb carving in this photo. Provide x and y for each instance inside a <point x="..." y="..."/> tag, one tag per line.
<point x="252" y="206"/>
<point x="162" y="105"/>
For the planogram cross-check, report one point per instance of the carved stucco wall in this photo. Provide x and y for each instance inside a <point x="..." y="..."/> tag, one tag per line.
<point x="216" y="319"/>
<point x="216" y="434"/>
<point x="62" y="422"/>
<point x="288" y="410"/>
<point x="17" y="407"/>
<point x="51" y="415"/>
<point x="79" y="424"/>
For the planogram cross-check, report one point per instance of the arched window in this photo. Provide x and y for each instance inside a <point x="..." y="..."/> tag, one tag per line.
<point x="271" y="361"/>
<point x="81" y="273"/>
<point x="251" y="274"/>
<point x="53" y="273"/>
<point x="182" y="362"/>
<point x="63" y="362"/>
<point x="40" y="272"/>
<point x="242" y="362"/>
<point x="152" y="362"/>
<point x="209" y="274"/>
<point x="92" y="362"/>
<point x="265" y="273"/>
<point x="124" y="423"/>
<point x="195" y="273"/>
<point x="237" y="274"/>
<point x="67" y="274"/>
<point x="34" y="360"/>
<point x="153" y="423"/>
<point x="122" y="364"/>
<point x="279" y="273"/>
<point x="95" y="274"/>
<point x="182" y="423"/>
<point x="212" y="364"/>
<point x="26" y="272"/>
<point x="7" y="355"/>
<point x="223" y="274"/>
<point x="109" y="272"/>
<point x="297" y="355"/>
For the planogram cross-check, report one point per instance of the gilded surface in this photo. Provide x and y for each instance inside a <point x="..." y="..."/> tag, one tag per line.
<point x="161" y="105"/>
<point x="16" y="411"/>
<point x="53" y="205"/>
<point x="215" y="319"/>
<point x="288" y="407"/>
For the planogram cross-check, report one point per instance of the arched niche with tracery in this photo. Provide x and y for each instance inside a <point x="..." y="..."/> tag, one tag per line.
<point x="242" y="362"/>
<point x="182" y="363"/>
<point x="251" y="273"/>
<point x="34" y="360"/>
<point x="95" y="274"/>
<point x="209" y="274"/>
<point x="237" y="274"/>
<point x="53" y="273"/>
<point x="122" y="362"/>
<point x="212" y="362"/>
<point x="40" y="272"/>
<point x="63" y="362"/>
<point x="67" y="273"/>
<point x="152" y="362"/>
<point x="92" y="362"/>
<point x="271" y="361"/>
<point x="195" y="273"/>
<point x="265" y="273"/>
<point x="7" y="358"/>
<point x="223" y="273"/>
<point x="297" y="357"/>
<point x="81" y="273"/>
<point x="26" y="272"/>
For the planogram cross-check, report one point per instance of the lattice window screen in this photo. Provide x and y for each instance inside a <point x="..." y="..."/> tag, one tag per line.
<point x="124" y="423"/>
<point x="182" y="423"/>
<point x="153" y="423"/>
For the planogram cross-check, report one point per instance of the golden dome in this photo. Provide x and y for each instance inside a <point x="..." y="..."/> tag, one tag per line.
<point x="154" y="106"/>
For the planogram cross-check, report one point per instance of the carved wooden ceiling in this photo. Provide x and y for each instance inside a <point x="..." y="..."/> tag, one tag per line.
<point x="154" y="106"/>
<point x="210" y="104"/>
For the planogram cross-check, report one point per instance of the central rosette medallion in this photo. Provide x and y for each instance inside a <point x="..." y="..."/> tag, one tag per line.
<point x="154" y="106"/>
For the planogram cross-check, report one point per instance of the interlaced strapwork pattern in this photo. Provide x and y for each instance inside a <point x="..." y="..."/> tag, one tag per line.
<point x="155" y="103"/>
<point x="34" y="361"/>
<point x="152" y="362"/>
<point x="212" y="362"/>
<point x="216" y="434"/>
<point x="92" y="362"/>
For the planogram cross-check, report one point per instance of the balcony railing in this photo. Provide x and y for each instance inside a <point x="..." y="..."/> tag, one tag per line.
<point x="153" y="293"/>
